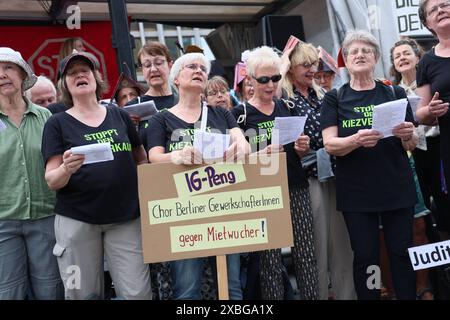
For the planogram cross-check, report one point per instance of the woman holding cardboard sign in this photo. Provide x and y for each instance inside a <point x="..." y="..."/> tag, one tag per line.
<point x="170" y="140"/>
<point x="258" y="114"/>
<point x="97" y="203"/>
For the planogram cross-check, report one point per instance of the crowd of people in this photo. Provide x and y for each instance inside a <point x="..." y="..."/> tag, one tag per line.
<point x="357" y="199"/>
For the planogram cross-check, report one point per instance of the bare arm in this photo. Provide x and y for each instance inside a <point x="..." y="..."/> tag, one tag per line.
<point x="337" y="146"/>
<point x="301" y="146"/>
<point x="188" y="156"/>
<point x="431" y="107"/>
<point x="239" y="147"/>
<point x="410" y="144"/>
<point x="139" y="155"/>
<point x="407" y="133"/>
<point x="60" y="168"/>
<point x="157" y="155"/>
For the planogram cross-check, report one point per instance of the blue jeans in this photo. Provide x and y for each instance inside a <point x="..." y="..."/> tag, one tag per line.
<point x="187" y="278"/>
<point x="27" y="264"/>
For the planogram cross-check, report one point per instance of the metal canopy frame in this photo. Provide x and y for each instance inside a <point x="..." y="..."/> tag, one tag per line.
<point x="193" y="13"/>
<point x="160" y="11"/>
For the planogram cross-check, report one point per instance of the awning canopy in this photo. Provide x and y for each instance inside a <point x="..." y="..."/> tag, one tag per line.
<point x="374" y="16"/>
<point x="210" y="12"/>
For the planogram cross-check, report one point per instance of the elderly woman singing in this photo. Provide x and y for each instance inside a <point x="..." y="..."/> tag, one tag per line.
<point x="373" y="177"/>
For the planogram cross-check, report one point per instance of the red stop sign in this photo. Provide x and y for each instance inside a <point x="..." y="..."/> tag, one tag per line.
<point x="40" y="46"/>
<point x="44" y="60"/>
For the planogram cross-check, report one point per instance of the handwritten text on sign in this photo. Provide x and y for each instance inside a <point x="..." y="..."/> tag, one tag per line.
<point x="218" y="235"/>
<point x="215" y="205"/>
<point x="204" y="179"/>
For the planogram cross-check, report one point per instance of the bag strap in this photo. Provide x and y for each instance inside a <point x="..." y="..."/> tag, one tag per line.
<point x="288" y="103"/>
<point x="243" y="117"/>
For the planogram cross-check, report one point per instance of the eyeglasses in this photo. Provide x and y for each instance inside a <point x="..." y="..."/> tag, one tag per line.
<point x="216" y="92"/>
<point x="364" y="51"/>
<point x="157" y="63"/>
<point x="434" y="10"/>
<point x="266" y="79"/>
<point x="324" y="76"/>
<point x="195" y="67"/>
<point x="307" y="65"/>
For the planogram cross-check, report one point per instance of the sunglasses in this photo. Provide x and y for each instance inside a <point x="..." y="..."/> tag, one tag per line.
<point x="266" y="79"/>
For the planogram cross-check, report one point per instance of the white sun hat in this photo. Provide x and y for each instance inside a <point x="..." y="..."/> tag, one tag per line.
<point x="10" y="55"/>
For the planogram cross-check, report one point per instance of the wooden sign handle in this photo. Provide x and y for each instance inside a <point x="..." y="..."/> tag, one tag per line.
<point x="222" y="277"/>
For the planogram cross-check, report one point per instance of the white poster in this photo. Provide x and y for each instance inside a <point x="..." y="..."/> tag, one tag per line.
<point x="430" y="255"/>
<point x="407" y="18"/>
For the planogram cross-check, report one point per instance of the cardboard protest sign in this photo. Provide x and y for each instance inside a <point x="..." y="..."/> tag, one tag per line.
<point x="239" y="74"/>
<point x="329" y="60"/>
<point x="214" y="209"/>
<point x="291" y="43"/>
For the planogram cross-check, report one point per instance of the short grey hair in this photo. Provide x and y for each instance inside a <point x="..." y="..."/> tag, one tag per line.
<point x="262" y="57"/>
<point x="363" y="36"/>
<point x="44" y="81"/>
<point x="184" y="60"/>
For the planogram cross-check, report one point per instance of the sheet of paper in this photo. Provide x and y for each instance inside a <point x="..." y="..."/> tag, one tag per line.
<point x="388" y="115"/>
<point x="292" y="42"/>
<point x="287" y="129"/>
<point x="211" y="145"/>
<point x="414" y="102"/>
<point x="144" y="110"/>
<point x="2" y="126"/>
<point x="93" y="153"/>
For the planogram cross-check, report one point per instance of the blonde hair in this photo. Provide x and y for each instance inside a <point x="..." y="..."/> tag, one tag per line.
<point x="303" y="53"/>
<point x="262" y="57"/>
<point x="67" y="47"/>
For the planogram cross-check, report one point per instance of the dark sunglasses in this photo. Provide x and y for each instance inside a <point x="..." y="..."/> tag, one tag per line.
<point x="266" y="79"/>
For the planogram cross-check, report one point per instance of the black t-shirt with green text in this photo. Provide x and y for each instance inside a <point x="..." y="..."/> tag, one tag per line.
<point x="258" y="131"/>
<point x="161" y="103"/>
<point x="103" y="192"/>
<point x="164" y="124"/>
<point x="435" y="71"/>
<point x="368" y="179"/>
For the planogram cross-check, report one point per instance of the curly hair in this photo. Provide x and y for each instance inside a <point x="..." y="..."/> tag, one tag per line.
<point x="417" y="49"/>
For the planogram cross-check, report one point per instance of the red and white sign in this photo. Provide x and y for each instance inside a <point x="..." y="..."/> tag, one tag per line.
<point x="328" y="59"/>
<point x="291" y="43"/>
<point x="40" y="46"/>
